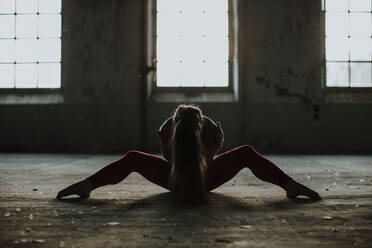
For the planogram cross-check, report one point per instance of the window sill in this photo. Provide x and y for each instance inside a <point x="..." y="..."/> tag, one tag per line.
<point x="349" y="89"/>
<point x="348" y="94"/>
<point x="30" y="96"/>
<point x="194" y="97"/>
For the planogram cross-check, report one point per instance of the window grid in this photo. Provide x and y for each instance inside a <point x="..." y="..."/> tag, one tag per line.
<point x="192" y="43"/>
<point x="348" y="40"/>
<point x="30" y="52"/>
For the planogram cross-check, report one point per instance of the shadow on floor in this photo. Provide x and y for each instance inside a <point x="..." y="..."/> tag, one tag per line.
<point x="156" y="220"/>
<point x="216" y="201"/>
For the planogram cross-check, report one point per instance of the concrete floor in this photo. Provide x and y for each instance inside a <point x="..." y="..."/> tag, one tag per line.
<point x="244" y="212"/>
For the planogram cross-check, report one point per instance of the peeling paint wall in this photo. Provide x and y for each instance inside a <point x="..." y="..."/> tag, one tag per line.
<point x="282" y="106"/>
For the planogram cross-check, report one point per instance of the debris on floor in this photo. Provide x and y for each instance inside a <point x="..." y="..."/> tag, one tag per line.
<point x="112" y="223"/>
<point x="327" y="217"/>
<point x="246" y="226"/>
<point x="244" y="213"/>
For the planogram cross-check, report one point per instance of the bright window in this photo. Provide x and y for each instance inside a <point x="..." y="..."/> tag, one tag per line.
<point x="348" y="33"/>
<point x="192" y="43"/>
<point x="30" y="43"/>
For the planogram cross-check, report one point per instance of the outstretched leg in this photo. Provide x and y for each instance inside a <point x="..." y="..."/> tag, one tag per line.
<point x="227" y="165"/>
<point x="153" y="168"/>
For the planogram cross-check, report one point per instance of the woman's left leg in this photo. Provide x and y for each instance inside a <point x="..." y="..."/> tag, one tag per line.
<point x="153" y="168"/>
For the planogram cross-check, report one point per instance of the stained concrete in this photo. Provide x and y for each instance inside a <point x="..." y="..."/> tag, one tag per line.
<point x="244" y="212"/>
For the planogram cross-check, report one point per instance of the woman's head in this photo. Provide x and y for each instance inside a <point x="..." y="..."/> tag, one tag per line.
<point x="189" y="115"/>
<point x="187" y="179"/>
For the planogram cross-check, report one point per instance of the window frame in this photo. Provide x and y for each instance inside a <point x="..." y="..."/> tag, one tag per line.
<point x="202" y="93"/>
<point x="37" y="95"/>
<point x="333" y="90"/>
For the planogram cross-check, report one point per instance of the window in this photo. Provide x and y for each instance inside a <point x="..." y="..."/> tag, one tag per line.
<point x="192" y="43"/>
<point x="348" y="31"/>
<point x="192" y="50"/>
<point x="30" y="43"/>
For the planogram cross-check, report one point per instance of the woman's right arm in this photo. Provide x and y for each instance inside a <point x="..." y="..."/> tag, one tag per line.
<point x="213" y="136"/>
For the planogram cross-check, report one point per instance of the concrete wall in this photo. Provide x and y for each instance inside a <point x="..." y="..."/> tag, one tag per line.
<point x="282" y="107"/>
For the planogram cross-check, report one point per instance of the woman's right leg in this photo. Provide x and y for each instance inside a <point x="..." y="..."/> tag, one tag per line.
<point x="153" y="168"/>
<point x="227" y="165"/>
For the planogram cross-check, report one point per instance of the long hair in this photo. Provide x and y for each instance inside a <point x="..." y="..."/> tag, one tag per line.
<point x="187" y="180"/>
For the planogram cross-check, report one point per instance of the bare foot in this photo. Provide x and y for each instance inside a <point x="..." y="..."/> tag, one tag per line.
<point x="295" y="189"/>
<point x="82" y="189"/>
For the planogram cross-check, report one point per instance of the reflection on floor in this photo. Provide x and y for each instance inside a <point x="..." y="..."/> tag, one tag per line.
<point x="244" y="212"/>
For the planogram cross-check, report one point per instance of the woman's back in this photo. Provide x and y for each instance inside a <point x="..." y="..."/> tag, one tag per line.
<point x="212" y="137"/>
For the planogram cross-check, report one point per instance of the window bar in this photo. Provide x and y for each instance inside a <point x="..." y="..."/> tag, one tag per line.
<point x="37" y="38"/>
<point x="348" y="43"/>
<point x="15" y="43"/>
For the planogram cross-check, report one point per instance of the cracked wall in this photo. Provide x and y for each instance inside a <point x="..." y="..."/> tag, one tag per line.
<point x="282" y="106"/>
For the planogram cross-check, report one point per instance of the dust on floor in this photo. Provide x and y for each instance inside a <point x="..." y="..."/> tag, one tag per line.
<point x="244" y="212"/>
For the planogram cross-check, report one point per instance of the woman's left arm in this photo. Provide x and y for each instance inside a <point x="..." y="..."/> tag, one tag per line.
<point x="165" y="135"/>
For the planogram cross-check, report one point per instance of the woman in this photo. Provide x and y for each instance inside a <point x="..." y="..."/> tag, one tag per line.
<point x="189" y="142"/>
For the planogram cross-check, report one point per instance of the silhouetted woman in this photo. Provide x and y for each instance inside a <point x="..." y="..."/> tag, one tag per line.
<point x="189" y="170"/>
